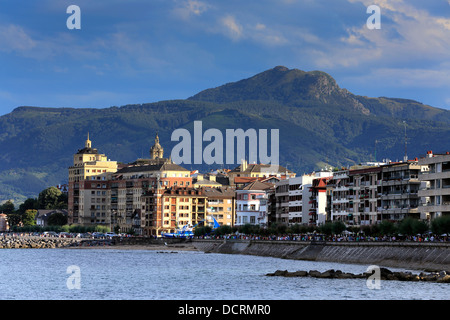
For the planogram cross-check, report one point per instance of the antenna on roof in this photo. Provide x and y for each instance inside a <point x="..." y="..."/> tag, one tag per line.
<point x="405" y="158"/>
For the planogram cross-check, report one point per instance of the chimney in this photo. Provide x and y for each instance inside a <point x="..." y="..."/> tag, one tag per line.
<point x="212" y="177"/>
<point x="243" y="165"/>
<point x="430" y="154"/>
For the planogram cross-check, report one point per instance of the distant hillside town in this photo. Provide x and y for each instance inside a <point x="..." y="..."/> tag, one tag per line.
<point x="154" y="196"/>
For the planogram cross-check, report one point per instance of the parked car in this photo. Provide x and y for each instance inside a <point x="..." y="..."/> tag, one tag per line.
<point x="111" y="234"/>
<point x="98" y="235"/>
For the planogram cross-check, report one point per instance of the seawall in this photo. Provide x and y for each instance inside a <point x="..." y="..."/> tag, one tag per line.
<point x="433" y="256"/>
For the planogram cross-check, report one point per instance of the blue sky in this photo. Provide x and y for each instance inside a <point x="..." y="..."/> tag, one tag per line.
<point x="141" y="51"/>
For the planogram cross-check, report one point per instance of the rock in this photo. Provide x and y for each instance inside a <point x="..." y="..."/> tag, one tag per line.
<point x="280" y="273"/>
<point x="300" y="273"/>
<point x="314" y="273"/>
<point x="443" y="279"/>
<point x="345" y="275"/>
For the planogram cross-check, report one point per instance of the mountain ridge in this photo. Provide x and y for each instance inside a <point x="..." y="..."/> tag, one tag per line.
<point x="319" y="123"/>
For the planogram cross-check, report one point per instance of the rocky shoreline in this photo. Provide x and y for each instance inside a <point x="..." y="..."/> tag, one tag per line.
<point x="34" y="242"/>
<point x="385" y="274"/>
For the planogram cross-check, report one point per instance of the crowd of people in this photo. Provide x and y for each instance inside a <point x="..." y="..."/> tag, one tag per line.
<point x="332" y="238"/>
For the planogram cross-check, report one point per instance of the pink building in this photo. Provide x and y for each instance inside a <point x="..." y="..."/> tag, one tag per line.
<point x="3" y="222"/>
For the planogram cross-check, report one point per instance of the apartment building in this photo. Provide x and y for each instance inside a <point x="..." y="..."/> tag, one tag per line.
<point x="364" y="188"/>
<point x="295" y="200"/>
<point x="435" y="195"/>
<point x="252" y="204"/>
<point x="220" y="204"/>
<point x="341" y="208"/>
<point x="89" y="196"/>
<point x="400" y="187"/>
<point x="131" y="182"/>
<point x="169" y="209"/>
<point x="281" y="214"/>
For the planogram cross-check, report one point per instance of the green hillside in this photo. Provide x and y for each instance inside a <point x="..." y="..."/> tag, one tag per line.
<point x="318" y="121"/>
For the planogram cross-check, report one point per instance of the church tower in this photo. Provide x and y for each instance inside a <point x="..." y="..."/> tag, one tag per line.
<point x="156" y="151"/>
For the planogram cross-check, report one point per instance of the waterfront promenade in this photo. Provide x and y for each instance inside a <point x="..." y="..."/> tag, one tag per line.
<point x="402" y="254"/>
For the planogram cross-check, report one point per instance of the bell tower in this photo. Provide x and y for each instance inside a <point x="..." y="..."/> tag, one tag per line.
<point x="156" y="151"/>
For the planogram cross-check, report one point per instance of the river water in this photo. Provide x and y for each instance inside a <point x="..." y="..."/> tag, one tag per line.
<point x="98" y="274"/>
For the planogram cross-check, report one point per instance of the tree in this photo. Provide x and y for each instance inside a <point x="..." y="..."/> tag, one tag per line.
<point x="410" y="226"/>
<point x="14" y="219"/>
<point x="57" y="219"/>
<point x="338" y="227"/>
<point x="7" y="207"/>
<point x="441" y="225"/>
<point x="387" y="227"/>
<point x="222" y="230"/>
<point x="30" y="203"/>
<point x="326" y="228"/>
<point x="29" y="217"/>
<point x="52" y="198"/>
<point x="420" y="227"/>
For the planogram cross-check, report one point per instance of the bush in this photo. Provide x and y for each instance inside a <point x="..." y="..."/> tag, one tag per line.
<point x="201" y="231"/>
<point x="387" y="227"/>
<point x="410" y="226"/>
<point x="326" y="228"/>
<point x="222" y="230"/>
<point x="441" y="225"/>
<point x="338" y="227"/>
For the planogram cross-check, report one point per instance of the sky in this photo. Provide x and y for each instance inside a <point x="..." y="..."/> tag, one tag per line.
<point x="143" y="51"/>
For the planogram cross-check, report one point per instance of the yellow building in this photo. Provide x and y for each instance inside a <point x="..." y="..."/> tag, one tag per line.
<point x="259" y="171"/>
<point x="89" y="196"/>
<point x="220" y="204"/>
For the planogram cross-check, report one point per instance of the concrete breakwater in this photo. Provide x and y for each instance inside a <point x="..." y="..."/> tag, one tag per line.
<point x="431" y="256"/>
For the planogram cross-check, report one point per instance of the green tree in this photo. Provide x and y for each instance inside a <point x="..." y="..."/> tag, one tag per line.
<point x="57" y="219"/>
<point x="7" y="207"/>
<point x="326" y="228"/>
<point x="52" y="198"/>
<point x="222" y="230"/>
<point x="420" y="227"/>
<point x="14" y="219"/>
<point x="441" y="225"/>
<point x="410" y="226"/>
<point x="30" y="203"/>
<point x="387" y="227"/>
<point x="338" y="227"/>
<point x="29" y="217"/>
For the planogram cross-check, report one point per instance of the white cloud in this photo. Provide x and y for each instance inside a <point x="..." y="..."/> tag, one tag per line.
<point x="232" y="28"/>
<point x="14" y="38"/>
<point x="186" y="9"/>
<point x="407" y="35"/>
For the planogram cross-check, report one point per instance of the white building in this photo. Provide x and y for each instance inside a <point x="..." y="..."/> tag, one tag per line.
<point x="294" y="198"/>
<point x="436" y="195"/>
<point x="252" y="204"/>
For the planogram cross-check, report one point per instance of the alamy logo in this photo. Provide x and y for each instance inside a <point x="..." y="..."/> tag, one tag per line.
<point x="374" y="280"/>
<point x="215" y="153"/>
<point x="74" y="20"/>
<point x="374" y="21"/>
<point x="74" y="280"/>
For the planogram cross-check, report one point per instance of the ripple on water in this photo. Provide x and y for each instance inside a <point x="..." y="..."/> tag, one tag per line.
<point x="143" y="274"/>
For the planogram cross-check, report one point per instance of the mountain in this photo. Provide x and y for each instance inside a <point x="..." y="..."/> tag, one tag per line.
<point x="319" y="122"/>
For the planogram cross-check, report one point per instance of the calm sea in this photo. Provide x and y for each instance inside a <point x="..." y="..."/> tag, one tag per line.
<point x="97" y="274"/>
